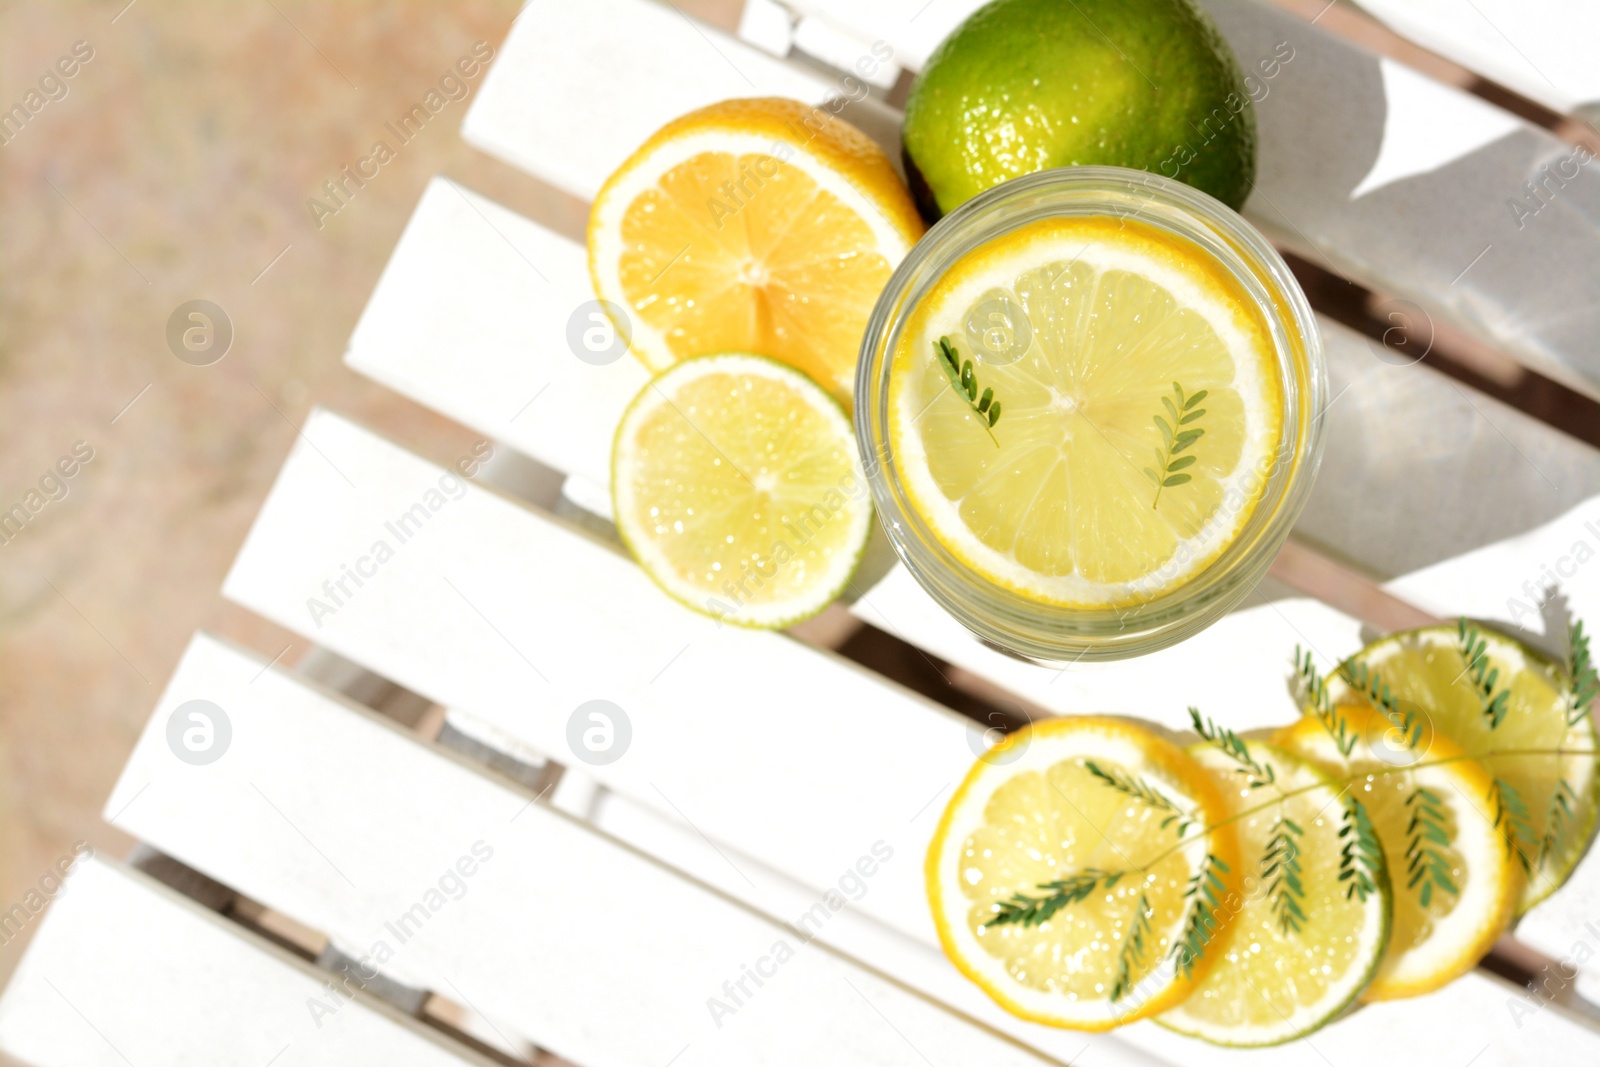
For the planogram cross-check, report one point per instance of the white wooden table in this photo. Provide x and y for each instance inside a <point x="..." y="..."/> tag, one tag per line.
<point x="493" y="891"/>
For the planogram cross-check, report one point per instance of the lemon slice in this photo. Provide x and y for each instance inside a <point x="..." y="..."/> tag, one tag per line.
<point x="1038" y="810"/>
<point x="1308" y="937"/>
<point x="1438" y="934"/>
<point x="1550" y="824"/>
<point x="735" y="484"/>
<point x="752" y="226"/>
<point x="1141" y="408"/>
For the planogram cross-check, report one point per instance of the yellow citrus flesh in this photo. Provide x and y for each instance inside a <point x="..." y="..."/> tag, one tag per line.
<point x="1271" y="982"/>
<point x="1031" y="812"/>
<point x="735" y="484"/>
<point x="1082" y="495"/>
<point x="760" y="226"/>
<point x="1428" y="672"/>
<point x="1438" y="935"/>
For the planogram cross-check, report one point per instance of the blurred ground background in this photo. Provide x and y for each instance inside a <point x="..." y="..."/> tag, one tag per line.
<point x="177" y="167"/>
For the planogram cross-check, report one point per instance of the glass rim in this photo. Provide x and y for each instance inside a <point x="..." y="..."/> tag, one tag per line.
<point x="1006" y="619"/>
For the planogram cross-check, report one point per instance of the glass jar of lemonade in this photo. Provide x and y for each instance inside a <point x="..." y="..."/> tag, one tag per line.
<point x="1089" y="405"/>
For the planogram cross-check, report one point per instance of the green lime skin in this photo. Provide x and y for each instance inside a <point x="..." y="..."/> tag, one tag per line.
<point x="1026" y="85"/>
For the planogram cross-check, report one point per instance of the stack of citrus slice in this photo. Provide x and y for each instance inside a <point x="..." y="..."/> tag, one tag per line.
<point x="1089" y="873"/>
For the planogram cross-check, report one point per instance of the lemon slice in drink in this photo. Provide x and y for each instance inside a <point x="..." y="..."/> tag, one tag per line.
<point x="736" y="485"/>
<point x="1308" y="937"/>
<point x="1038" y="815"/>
<point x="761" y="225"/>
<point x="1441" y="927"/>
<point x="1550" y="800"/>
<point x="1140" y="410"/>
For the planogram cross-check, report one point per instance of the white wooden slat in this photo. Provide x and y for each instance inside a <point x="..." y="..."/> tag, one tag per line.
<point x="514" y="618"/>
<point x="1543" y="49"/>
<point x="767" y="788"/>
<point x="472" y="286"/>
<point x="125" y="971"/>
<point x="768" y="25"/>
<point x="625" y="68"/>
<point x="1440" y="230"/>
<point x="822" y="41"/>
<point x="336" y="817"/>
<point x="913" y="28"/>
<point x="385" y="816"/>
<point x="1405" y="186"/>
<point x="450" y="327"/>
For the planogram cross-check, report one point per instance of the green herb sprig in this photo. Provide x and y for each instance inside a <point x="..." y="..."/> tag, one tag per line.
<point x="1370" y="684"/>
<point x="1428" y="837"/>
<point x="1204" y="894"/>
<point x="1170" y="464"/>
<point x="1557" y="819"/>
<point x="964" y="380"/>
<point x="1474" y="650"/>
<point x="1229" y="744"/>
<point x="1023" y="910"/>
<point x="1312" y="694"/>
<point x="1142" y="791"/>
<point x="1133" y="949"/>
<point x="1281" y="863"/>
<point x="1361" y="861"/>
<point x="1511" y="817"/>
<point x="1584" y="683"/>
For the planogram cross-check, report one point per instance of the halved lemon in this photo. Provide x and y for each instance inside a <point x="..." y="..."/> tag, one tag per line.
<point x="761" y="225"/>
<point x="1550" y="799"/>
<point x="1140" y="408"/>
<point x="736" y="485"/>
<point x="1308" y="937"/>
<point x="1453" y="893"/>
<point x="1110" y="815"/>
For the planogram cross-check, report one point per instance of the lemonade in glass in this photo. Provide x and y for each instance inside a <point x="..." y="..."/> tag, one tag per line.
<point x="1087" y="402"/>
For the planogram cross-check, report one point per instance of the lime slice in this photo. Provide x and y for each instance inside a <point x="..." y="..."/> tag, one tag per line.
<point x="1066" y="897"/>
<point x="1140" y="410"/>
<point x="1442" y="925"/>
<point x="735" y="484"/>
<point x="1428" y="670"/>
<point x="1308" y="937"/>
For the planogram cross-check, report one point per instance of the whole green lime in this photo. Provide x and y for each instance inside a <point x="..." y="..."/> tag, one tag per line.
<point x="1025" y="85"/>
